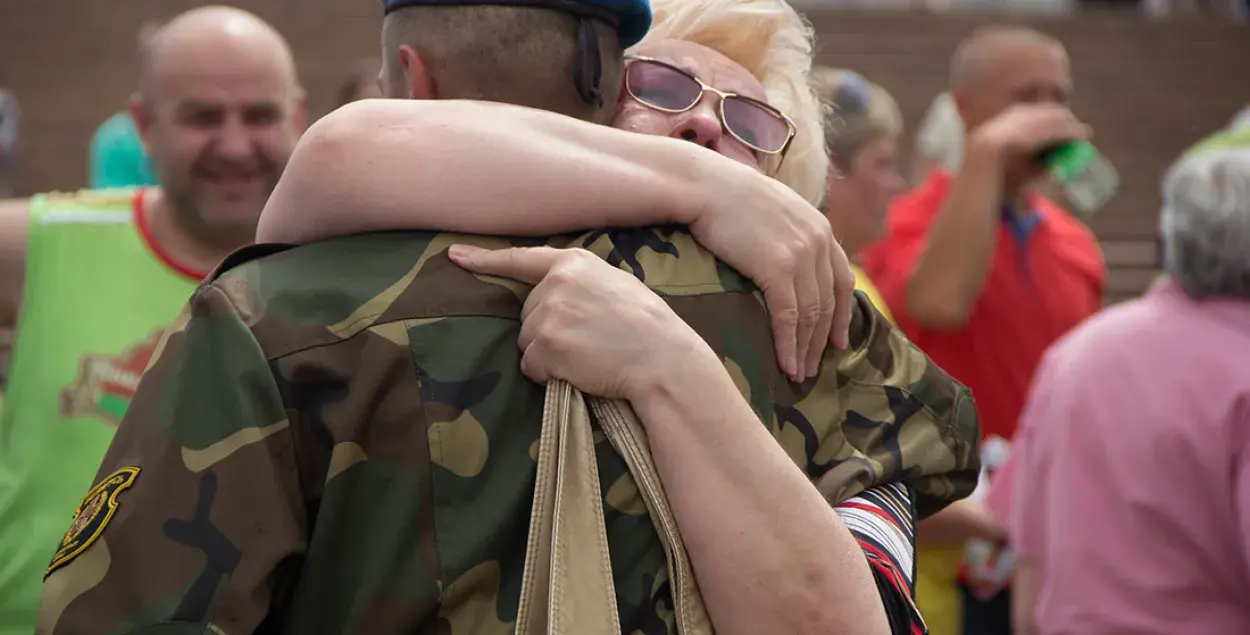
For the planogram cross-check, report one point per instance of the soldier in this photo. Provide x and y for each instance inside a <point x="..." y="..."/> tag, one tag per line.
<point x="338" y="437"/>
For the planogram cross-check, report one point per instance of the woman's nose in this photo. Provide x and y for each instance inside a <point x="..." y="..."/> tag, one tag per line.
<point x="701" y="125"/>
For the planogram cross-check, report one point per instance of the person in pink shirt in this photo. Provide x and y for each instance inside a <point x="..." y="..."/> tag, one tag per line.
<point x="1127" y="495"/>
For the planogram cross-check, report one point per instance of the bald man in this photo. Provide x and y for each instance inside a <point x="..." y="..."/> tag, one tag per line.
<point x="98" y="275"/>
<point x="983" y="273"/>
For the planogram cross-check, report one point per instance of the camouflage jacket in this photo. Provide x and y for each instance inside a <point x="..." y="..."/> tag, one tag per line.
<point x="336" y="438"/>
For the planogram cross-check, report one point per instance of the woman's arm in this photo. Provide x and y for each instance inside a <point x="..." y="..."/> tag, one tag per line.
<point x="770" y="554"/>
<point x="963" y="520"/>
<point x="484" y="168"/>
<point x="804" y="575"/>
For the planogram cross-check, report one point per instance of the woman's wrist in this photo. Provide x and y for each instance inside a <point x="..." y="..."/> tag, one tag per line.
<point x="688" y="379"/>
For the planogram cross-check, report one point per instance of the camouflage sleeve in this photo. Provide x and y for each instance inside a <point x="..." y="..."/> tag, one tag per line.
<point x="906" y="419"/>
<point x="197" y="511"/>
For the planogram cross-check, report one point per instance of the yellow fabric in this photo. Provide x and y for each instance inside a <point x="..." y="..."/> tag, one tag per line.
<point x="862" y="283"/>
<point x="937" y="596"/>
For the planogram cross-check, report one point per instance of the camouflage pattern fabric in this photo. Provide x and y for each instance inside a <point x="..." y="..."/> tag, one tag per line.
<point x="337" y="438"/>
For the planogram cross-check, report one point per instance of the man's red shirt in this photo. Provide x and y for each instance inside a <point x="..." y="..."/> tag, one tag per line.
<point x="1047" y="275"/>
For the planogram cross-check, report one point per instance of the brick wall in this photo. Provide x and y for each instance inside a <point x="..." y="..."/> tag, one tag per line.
<point x="1149" y="89"/>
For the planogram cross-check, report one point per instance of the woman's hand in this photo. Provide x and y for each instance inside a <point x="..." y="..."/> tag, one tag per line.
<point x="591" y="324"/>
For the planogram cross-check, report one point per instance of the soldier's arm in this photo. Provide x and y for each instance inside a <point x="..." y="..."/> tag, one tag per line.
<point x="198" y="511"/>
<point x="897" y="437"/>
<point x="14" y="235"/>
<point x="903" y="417"/>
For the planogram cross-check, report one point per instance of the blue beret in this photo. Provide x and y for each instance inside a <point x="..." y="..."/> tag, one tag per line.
<point x="632" y="18"/>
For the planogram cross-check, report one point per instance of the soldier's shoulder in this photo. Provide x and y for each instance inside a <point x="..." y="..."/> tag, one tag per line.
<point x="295" y="297"/>
<point x="666" y="258"/>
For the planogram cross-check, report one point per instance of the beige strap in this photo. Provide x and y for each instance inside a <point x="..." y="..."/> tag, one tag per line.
<point x="567" y="587"/>
<point x="627" y="435"/>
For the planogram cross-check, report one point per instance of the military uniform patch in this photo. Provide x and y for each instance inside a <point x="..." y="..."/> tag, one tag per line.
<point x="94" y="513"/>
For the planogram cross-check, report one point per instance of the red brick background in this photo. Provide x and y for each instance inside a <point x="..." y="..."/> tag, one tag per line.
<point x="1149" y="89"/>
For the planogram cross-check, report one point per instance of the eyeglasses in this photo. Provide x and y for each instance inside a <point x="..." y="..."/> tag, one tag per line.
<point x="666" y="88"/>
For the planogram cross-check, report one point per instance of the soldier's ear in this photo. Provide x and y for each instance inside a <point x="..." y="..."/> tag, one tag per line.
<point x="420" y="83"/>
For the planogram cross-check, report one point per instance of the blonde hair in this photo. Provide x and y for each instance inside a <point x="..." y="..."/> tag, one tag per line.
<point x="772" y="42"/>
<point x="860" y="112"/>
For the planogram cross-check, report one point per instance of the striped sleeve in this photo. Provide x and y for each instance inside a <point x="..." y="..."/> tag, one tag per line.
<point x="882" y="519"/>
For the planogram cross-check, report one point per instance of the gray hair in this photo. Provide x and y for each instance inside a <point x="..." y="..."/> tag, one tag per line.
<point x="1205" y="224"/>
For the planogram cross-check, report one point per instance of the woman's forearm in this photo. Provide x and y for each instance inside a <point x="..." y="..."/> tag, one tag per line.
<point x="481" y="168"/>
<point x="770" y="554"/>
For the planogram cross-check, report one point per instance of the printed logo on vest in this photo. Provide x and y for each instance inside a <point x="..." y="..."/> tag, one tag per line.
<point x="106" y="383"/>
<point x="93" y="515"/>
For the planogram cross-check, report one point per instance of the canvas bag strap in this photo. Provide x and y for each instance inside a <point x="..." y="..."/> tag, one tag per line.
<point x="567" y="586"/>
<point x="625" y="431"/>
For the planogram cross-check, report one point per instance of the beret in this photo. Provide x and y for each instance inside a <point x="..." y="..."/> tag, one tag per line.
<point x="632" y="18"/>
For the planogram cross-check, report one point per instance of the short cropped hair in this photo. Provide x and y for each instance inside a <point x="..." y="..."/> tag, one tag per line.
<point x="772" y="42"/>
<point x="1205" y="224"/>
<point x="860" y="113"/>
<point x="510" y="54"/>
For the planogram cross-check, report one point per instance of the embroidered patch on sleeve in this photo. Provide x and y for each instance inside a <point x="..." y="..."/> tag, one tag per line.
<point x="93" y="515"/>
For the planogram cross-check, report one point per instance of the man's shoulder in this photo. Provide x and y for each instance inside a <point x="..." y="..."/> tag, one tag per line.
<point x="1073" y="242"/>
<point x="1067" y="224"/>
<point x="118" y="128"/>
<point x="84" y="205"/>
<point x="1123" y="327"/>
<point x="297" y="297"/>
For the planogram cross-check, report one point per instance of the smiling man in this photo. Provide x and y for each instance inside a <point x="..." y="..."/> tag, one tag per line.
<point x="98" y="275"/>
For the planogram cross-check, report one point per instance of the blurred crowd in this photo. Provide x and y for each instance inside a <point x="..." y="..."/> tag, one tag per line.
<point x="1114" y="492"/>
<point x="1234" y="9"/>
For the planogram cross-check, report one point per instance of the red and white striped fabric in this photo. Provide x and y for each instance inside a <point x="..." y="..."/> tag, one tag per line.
<point x="882" y="519"/>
